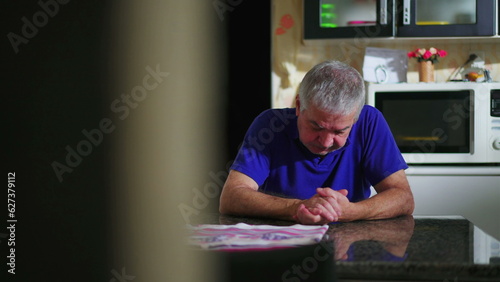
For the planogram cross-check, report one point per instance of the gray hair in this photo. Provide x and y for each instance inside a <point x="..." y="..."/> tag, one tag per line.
<point x="334" y="87"/>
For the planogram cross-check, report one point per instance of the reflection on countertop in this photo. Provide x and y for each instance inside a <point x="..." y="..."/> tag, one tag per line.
<point x="403" y="248"/>
<point x="380" y="240"/>
<point x="427" y="248"/>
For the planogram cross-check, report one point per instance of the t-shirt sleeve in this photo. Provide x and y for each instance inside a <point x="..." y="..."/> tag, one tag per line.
<point x="381" y="155"/>
<point x="253" y="158"/>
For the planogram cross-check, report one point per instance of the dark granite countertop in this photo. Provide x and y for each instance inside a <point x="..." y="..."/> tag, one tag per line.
<point x="401" y="249"/>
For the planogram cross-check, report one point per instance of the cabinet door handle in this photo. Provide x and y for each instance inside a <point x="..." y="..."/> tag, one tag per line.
<point x="406" y="12"/>
<point x="383" y="12"/>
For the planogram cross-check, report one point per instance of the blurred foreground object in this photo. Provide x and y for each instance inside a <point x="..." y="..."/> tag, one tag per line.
<point x="168" y="131"/>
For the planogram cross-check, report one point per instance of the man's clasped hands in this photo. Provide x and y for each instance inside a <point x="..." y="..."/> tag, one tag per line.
<point x="326" y="206"/>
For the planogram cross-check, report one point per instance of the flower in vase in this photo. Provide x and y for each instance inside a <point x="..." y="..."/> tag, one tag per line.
<point x="423" y="55"/>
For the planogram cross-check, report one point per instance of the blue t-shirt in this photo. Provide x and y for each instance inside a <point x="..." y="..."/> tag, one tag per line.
<point x="274" y="157"/>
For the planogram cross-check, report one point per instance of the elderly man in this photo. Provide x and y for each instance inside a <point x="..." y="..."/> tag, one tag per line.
<point x="315" y="163"/>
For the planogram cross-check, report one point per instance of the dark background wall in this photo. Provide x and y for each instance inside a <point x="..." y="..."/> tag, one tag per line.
<point x="249" y="67"/>
<point x="54" y="86"/>
<point x="57" y="84"/>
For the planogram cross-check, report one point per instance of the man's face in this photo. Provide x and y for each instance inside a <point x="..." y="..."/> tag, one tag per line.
<point x="322" y="132"/>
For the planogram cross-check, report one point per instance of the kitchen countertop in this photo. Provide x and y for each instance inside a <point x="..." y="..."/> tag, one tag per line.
<point x="400" y="249"/>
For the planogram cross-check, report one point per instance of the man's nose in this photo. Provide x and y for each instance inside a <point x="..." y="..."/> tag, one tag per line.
<point x="326" y="139"/>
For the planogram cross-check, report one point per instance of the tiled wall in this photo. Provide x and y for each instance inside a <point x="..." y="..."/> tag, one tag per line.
<point x="292" y="57"/>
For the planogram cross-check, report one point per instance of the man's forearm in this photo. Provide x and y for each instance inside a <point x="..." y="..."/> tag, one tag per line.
<point x="248" y="202"/>
<point x="387" y="204"/>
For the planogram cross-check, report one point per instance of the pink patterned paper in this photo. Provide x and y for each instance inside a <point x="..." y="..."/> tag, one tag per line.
<point x="243" y="236"/>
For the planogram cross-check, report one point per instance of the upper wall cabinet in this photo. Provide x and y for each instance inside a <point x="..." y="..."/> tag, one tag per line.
<point x="324" y="19"/>
<point x="348" y="18"/>
<point x="429" y="18"/>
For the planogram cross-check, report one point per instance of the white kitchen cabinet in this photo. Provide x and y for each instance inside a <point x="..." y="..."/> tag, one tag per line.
<point x="472" y="192"/>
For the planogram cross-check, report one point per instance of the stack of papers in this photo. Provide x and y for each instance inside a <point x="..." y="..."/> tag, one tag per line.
<point x="242" y="236"/>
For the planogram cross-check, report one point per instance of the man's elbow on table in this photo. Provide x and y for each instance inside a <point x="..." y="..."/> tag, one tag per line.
<point x="236" y="191"/>
<point x="224" y="205"/>
<point x="405" y="203"/>
<point x="410" y="204"/>
<point x="230" y="203"/>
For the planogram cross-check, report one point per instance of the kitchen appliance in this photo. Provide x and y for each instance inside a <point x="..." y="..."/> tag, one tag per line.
<point x="449" y="134"/>
<point x="452" y="123"/>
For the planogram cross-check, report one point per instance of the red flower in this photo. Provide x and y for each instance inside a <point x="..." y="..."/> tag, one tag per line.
<point x="422" y="54"/>
<point x="412" y="55"/>
<point x="427" y="55"/>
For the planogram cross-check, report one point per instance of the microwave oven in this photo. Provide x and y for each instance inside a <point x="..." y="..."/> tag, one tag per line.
<point x="442" y="123"/>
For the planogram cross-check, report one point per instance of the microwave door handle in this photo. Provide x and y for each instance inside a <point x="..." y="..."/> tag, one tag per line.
<point x="383" y="12"/>
<point x="406" y="12"/>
